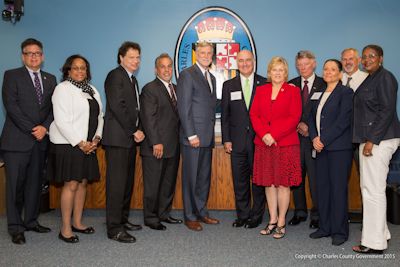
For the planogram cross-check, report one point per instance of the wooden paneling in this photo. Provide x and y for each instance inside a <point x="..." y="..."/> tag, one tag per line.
<point x="221" y="192"/>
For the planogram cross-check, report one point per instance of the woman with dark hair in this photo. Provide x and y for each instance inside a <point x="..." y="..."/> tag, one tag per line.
<point x="376" y="127"/>
<point x="74" y="135"/>
<point x="330" y="132"/>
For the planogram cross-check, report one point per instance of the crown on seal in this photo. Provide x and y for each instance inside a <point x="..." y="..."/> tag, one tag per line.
<point x="215" y="30"/>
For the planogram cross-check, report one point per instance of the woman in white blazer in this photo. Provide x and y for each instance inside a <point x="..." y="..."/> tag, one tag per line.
<point x="74" y="134"/>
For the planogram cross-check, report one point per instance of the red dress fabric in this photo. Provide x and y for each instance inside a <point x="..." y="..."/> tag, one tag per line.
<point x="277" y="165"/>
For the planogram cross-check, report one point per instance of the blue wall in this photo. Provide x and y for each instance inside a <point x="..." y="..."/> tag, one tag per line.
<point x="96" y="28"/>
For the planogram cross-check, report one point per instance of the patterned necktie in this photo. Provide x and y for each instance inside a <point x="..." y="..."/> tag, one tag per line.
<point x="172" y="95"/>
<point x="247" y="93"/>
<point x="208" y="78"/>
<point x="38" y="87"/>
<point x="348" y="81"/>
<point x="304" y="93"/>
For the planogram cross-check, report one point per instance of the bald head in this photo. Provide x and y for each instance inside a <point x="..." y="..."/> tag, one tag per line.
<point x="245" y="62"/>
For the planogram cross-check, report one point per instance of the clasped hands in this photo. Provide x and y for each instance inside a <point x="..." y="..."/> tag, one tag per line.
<point x="268" y="140"/>
<point x="88" y="147"/>
<point x="317" y="144"/>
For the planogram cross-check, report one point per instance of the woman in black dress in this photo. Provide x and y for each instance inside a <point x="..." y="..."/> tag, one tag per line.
<point x="74" y="135"/>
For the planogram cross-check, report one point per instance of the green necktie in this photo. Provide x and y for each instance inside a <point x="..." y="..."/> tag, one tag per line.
<point x="247" y="93"/>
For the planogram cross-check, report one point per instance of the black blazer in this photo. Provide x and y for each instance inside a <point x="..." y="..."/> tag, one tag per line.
<point x="319" y="85"/>
<point x="375" y="117"/>
<point x="160" y="121"/>
<point x="23" y="111"/>
<point x="335" y="123"/>
<point x="122" y="111"/>
<point x="235" y="120"/>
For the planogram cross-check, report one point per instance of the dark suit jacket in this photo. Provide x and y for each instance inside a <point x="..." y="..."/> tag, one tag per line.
<point x="375" y="116"/>
<point x="335" y="123"/>
<point x="319" y="85"/>
<point x="122" y="111"/>
<point x="160" y="121"/>
<point x="196" y="106"/>
<point x="235" y="120"/>
<point x="23" y="109"/>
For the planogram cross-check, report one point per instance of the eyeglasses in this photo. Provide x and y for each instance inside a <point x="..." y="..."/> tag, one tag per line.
<point x="78" y="68"/>
<point x="370" y="56"/>
<point x="31" y="54"/>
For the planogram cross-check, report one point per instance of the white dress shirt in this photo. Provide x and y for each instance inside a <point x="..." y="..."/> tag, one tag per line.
<point x="356" y="79"/>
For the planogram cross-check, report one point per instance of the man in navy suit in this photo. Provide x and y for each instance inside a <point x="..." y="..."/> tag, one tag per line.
<point x="238" y="136"/>
<point x="160" y="148"/>
<point x="311" y="86"/>
<point x="27" y="95"/>
<point x="120" y="135"/>
<point x="196" y="107"/>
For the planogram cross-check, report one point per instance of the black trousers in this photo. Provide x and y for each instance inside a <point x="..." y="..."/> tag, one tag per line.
<point x="120" y="176"/>
<point x="333" y="169"/>
<point x="242" y="170"/>
<point x="23" y="187"/>
<point x="307" y="169"/>
<point x="159" y="180"/>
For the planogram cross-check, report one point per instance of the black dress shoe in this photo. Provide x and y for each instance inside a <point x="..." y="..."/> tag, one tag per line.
<point x="297" y="219"/>
<point x="18" y="238"/>
<point x="132" y="227"/>
<point x="40" y="229"/>
<point x="72" y="239"/>
<point x="250" y="223"/>
<point x="123" y="237"/>
<point x="318" y="234"/>
<point x="314" y="224"/>
<point x="88" y="230"/>
<point x="156" y="226"/>
<point x="172" y="220"/>
<point x="239" y="223"/>
<point x="338" y="241"/>
<point x="366" y="250"/>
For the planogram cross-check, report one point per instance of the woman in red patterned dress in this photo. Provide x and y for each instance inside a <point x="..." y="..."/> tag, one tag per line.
<point x="275" y="113"/>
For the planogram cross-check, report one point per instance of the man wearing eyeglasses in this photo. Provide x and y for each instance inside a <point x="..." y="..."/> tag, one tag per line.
<point x="27" y="95"/>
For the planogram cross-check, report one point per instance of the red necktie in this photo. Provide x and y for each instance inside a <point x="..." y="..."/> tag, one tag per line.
<point x="304" y="93"/>
<point x="172" y="94"/>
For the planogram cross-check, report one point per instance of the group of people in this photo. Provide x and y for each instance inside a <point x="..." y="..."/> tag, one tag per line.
<point x="277" y="132"/>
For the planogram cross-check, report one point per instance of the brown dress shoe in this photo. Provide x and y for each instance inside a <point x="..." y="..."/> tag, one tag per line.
<point x="193" y="225"/>
<point x="209" y="220"/>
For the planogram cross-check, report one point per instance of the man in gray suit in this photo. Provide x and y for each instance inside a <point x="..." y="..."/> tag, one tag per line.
<point x="196" y="108"/>
<point x="27" y="95"/>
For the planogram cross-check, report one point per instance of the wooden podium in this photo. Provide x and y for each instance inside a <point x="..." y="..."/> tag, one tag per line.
<point x="221" y="191"/>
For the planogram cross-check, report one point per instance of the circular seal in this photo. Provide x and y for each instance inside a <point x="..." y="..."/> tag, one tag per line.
<point x="225" y="30"/>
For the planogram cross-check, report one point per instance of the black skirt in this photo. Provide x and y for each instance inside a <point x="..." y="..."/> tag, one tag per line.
<point x="67" y="163"/>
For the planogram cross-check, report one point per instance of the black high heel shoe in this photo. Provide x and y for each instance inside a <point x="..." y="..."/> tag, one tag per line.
<point x="267" y="230"/>
<point x="88" y="230"/>
<point x="279" y="233"/>
<point x="72" y="239"/>
<point x="366" y="250"/>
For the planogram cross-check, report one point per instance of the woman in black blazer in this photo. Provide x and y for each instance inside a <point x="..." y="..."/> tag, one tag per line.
<point x="330" y="132"/>
<point x="376" y="127"/>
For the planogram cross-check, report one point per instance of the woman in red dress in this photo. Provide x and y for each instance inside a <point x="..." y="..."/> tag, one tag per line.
<point x="275" y="113"/>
